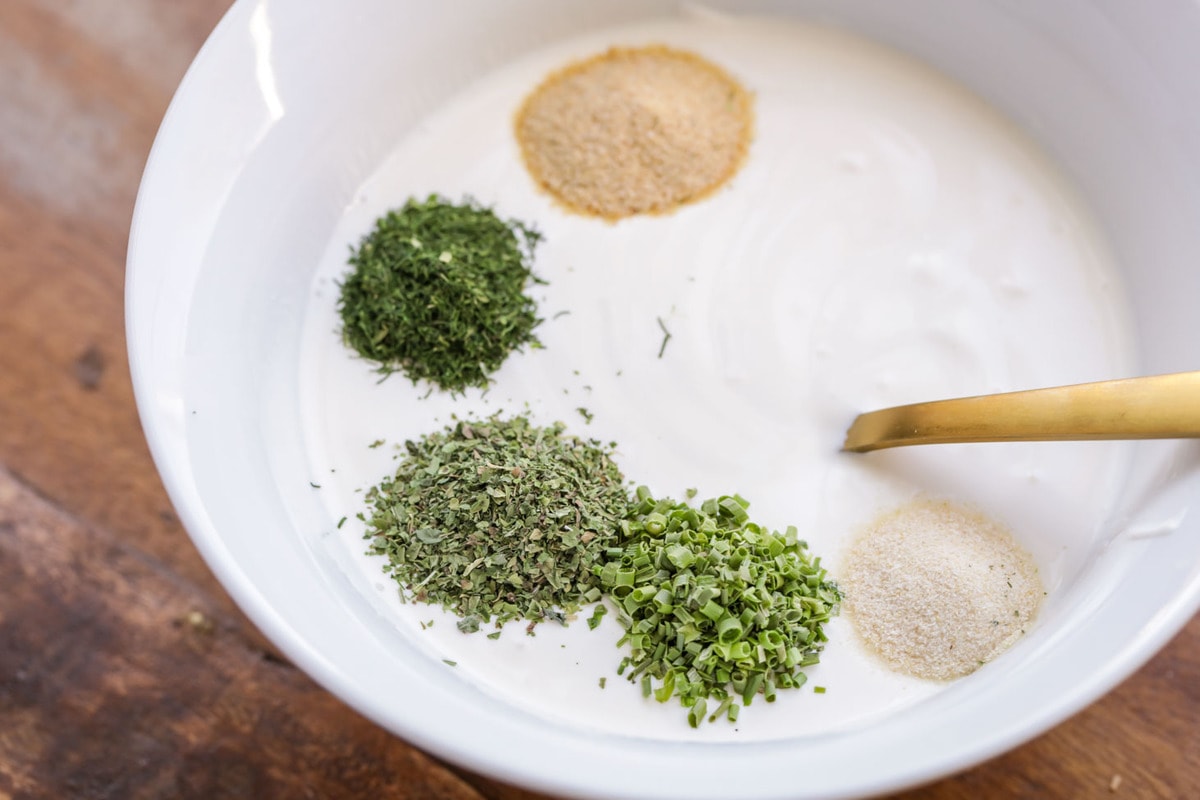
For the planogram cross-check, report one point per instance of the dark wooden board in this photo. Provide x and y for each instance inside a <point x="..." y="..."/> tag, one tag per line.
<point x="125" y="670"/>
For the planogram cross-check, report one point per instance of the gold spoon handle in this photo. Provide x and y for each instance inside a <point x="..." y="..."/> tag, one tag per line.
<point x="1158" y="407"/>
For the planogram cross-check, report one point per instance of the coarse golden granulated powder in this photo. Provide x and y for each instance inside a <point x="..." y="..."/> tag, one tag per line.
<point x="936" y="590"/>
<point x="635" y="131"/>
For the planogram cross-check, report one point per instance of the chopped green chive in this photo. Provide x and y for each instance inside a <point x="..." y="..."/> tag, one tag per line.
<point x="597" y="615"/>
<point x="714" y="606"/>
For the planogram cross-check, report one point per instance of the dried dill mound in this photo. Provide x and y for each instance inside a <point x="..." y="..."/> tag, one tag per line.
<point x="715" y="607"/>
<point x="437" y="292"/>
<point x="499" y="519"/>
<point x="635" y="130"/>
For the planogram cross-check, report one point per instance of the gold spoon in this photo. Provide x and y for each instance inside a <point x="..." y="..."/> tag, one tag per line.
<point x="1157" y="407"/>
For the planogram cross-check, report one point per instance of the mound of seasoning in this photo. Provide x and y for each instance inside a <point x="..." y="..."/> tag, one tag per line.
<point x="715" y="608"/>
<point x="499" y="519"/>
<point x="634" y="131"/>
<point x="438" y="293"/>
<point x="937" y="591"/>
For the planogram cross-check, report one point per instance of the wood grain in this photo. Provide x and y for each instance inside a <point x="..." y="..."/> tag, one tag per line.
<point x="77" y="118"/>
<point x="125" y="670"/>
<point x="121" y="680"/>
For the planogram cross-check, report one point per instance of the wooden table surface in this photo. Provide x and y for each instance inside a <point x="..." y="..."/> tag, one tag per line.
<point x="125" y="670"/>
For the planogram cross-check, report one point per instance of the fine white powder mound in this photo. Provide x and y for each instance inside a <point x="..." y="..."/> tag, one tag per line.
<point x="937" y="591"/>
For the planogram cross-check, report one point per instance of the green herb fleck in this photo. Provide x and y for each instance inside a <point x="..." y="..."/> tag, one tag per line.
<point x="341" y="522"/>
<point x="376" y="443"/>
<point x="314" y="485"/>
<point x="437" y="292"/>
<point x="499" y="519"/>
<point x="451" y="663"/>
<point x="818" y="690"/>
<point x="587" y="415"/>
<point x="603" y="681"/>
<point x="714" y="606"/>
<point x="597" y="615"/>
<point x="666" y="336"/>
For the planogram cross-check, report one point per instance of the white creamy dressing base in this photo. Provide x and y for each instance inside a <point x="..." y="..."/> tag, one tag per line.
<point x="890" y="239"/>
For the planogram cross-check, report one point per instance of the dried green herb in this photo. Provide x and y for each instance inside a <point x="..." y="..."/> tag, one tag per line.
<point x="437" y="292"/>
<point x="715" y="607"/>
<point x="597" y="615"/>
<point x="499" y="519"/>
<point x="666" y="336"/>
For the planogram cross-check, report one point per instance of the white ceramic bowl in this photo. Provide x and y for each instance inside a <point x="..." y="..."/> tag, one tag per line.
<point x="266" y="160"/>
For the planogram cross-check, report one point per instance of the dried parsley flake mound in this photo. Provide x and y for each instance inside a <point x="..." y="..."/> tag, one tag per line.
<point x="499" y="519"/>
<point x="437" y="292"/>
<point x="714" y="606"/>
